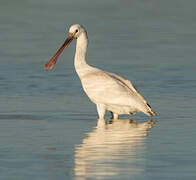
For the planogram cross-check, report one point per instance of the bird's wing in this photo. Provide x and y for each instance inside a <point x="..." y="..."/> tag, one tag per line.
<point x="109" y="88"/>
<point x="128" y="84"/>
<point x="124" y="81"/>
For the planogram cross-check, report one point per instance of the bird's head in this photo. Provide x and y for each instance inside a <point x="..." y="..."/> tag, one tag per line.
<point x="74" y="32"/>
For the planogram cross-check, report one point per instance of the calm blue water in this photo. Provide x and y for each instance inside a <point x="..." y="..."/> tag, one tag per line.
<point x="48" y="125"/>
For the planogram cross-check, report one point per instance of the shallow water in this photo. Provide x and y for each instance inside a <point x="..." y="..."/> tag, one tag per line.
<point x="48" y="125"/>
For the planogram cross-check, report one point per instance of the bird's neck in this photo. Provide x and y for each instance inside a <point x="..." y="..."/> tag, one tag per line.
<point x="80" y="55"/>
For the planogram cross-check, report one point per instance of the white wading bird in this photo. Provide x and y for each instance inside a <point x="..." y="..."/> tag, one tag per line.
<point x="108" y="91"/>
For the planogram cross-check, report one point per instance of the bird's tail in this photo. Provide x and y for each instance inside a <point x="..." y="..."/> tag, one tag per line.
<point x="149" y="111"/>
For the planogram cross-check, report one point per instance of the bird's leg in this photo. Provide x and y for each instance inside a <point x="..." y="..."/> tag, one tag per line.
<point x="101" y="123"/>
<point x="101" y="111"/>
<point x="114" y="115"/>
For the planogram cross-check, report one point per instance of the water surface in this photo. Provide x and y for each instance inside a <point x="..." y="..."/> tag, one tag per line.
<point x="48" y="125"/>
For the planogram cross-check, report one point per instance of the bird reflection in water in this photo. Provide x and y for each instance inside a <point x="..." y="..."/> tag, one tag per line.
<point x="113" y="149"/>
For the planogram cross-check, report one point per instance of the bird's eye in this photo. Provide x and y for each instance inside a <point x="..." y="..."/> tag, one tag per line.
<point x="76" y="30"/>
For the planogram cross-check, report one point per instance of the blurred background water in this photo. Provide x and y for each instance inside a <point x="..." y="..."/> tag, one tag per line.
<point x="48" y="125"/>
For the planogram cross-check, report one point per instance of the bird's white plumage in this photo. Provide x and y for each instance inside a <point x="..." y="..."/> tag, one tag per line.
<point x="108" y="91"/>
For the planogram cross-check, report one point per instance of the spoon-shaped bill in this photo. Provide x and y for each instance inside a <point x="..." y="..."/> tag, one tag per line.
<point x="52" y="62"/>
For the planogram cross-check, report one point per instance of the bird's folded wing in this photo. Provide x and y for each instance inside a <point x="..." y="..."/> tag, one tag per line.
<point x="109" y="88"/>
<point x="129" y="85"/>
